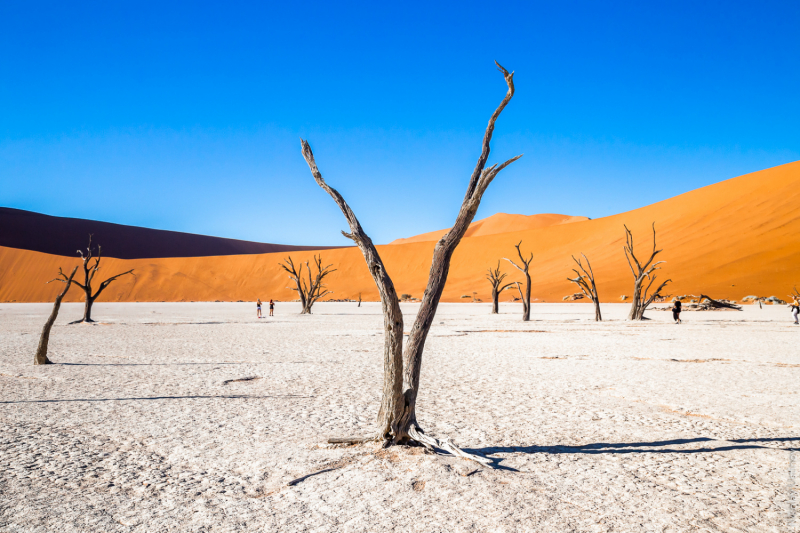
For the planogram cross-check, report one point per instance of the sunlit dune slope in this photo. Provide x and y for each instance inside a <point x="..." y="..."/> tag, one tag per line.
<point x="499" y="223"/>
<point x="727" y="240"/>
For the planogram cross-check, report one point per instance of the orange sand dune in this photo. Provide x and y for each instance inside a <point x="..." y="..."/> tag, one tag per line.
<point x="499" y="223"/>
<point x="728" y="240"/>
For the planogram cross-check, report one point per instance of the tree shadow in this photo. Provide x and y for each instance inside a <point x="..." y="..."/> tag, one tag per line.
<point x="664" y="446"/>
<point x="150" y="364"/>
<point x="196" y="397"/>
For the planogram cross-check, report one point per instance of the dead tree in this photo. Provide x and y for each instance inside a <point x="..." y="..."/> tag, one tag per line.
<point x="296" y="275"/>
<point x="496" y="278"/>
<point x="585" y="280"/>
<point x="89" y="271"/>
<point x="644" y="271"/>
<point x="397" y="418"/>
<point x="41" y="351"/>
<point x="718" y="304"/>
<point x="313" y="290"/>
<point x="359" y="299"/>
<point x="526" y="298"/>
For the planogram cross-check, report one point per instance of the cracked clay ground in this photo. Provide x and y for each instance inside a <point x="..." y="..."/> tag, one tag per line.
<point x="197" y="416"/>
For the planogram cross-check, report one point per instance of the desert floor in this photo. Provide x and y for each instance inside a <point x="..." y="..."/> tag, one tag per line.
<point x="196" y="416"/>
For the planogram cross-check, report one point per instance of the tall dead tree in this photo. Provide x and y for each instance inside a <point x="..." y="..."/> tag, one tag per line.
<point x="643" y="271"/>
<point x="397" y="418"/>
<point x="496" y="278"/>
<point x="526" y="298"/>
<point x="585" y="280"/>
<point x="41" y="351"/>
<point x="313" y="290"/>
<point x="89" y="271"/>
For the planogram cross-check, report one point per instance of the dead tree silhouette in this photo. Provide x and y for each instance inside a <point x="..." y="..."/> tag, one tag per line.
<point x="585" y="280"/>
<point x="397" y="420"/>
<point x="41" y="351"/>
<point x="313" y="290"/>
<point x="89" y="271"/>
<point x="643" y="271"/>
<point x="526" y="298"/>
<point x="496" y="278"/>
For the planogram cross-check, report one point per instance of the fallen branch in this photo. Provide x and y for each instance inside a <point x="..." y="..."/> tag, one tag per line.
<point x="351" y="440"/>
<point x="720" y="305"/>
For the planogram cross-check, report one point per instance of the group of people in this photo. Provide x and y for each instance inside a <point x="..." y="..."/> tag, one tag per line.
<point x="676" y="309"/>
<point x="258" y="308"/>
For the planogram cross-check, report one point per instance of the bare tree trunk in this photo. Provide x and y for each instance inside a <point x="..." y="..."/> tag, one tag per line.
<point x="496" y="278"/>
<point x="87" y="308"/>
<point x="403" y="428"/>
<point x="440" y="266"/>
<point x="392" y="397"/>
<point x="525" y="305"/>
<point x="313" y="291"/>
<point x="585" y="281"/>
<point x="44" y="340"/>
<point x="359" y="299"/>
<point x="89" y="271"/>
<point x="641" y="300"/>
<point x="526" y="298"/>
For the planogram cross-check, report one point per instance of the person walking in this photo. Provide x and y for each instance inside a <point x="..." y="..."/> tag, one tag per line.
<point x="676" y="311"/>
<point x="796" y="308"/>
<point x="271" y="307"/>
<point x="258" y="308"/>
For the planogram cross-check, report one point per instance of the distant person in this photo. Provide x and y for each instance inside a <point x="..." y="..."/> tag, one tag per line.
<point x="676" y="311"/>
<point x="795" y="308"/>
<point x="258" y="308"/>
<point x="271" y="307"/>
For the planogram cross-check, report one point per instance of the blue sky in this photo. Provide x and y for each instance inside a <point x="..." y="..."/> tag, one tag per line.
<point x="188" y="116"/>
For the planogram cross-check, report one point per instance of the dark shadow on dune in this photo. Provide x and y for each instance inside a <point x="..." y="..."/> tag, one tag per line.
<point x="226" y="397"/>
<point x="642" y="447"/>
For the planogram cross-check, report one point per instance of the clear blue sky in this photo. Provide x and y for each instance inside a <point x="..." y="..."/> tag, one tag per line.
<point x="188" y="116"/>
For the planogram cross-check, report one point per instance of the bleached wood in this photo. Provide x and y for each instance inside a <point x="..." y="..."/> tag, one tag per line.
<point x="44" y="340"/>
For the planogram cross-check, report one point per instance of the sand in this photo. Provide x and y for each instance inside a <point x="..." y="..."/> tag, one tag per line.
<point x="729" y="240"/>
<point x="499" y="223"/>
<point x="196" y="417"/>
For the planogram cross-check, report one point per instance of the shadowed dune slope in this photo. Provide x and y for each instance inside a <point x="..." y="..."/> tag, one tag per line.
<point x="499" y="223"/>
<point x="63" y="235"/>
<point x="727" y="240"/>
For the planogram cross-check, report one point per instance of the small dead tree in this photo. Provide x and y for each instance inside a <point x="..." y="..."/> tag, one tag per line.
<point x="89" y="271"/>
<point x="526" y="298"/>
<point x="44" y="340"/>
<point x="313" y="290"/>
<point x="397" y="419"/>
<point x="496" y="278"/>
<point x="644" y="271"/>
<point x="359" y="299"/>
<point x="585" y="280"/>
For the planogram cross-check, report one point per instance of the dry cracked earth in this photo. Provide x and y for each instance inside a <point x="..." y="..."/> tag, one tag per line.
<point x="200" y="417"/>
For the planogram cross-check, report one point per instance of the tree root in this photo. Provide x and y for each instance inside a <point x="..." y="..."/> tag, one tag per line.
<point x="446" y="445"/>
<point x="416" y="435"/>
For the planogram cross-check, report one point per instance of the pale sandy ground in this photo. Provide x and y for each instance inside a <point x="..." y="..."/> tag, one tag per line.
<point x="594" y="427"/>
